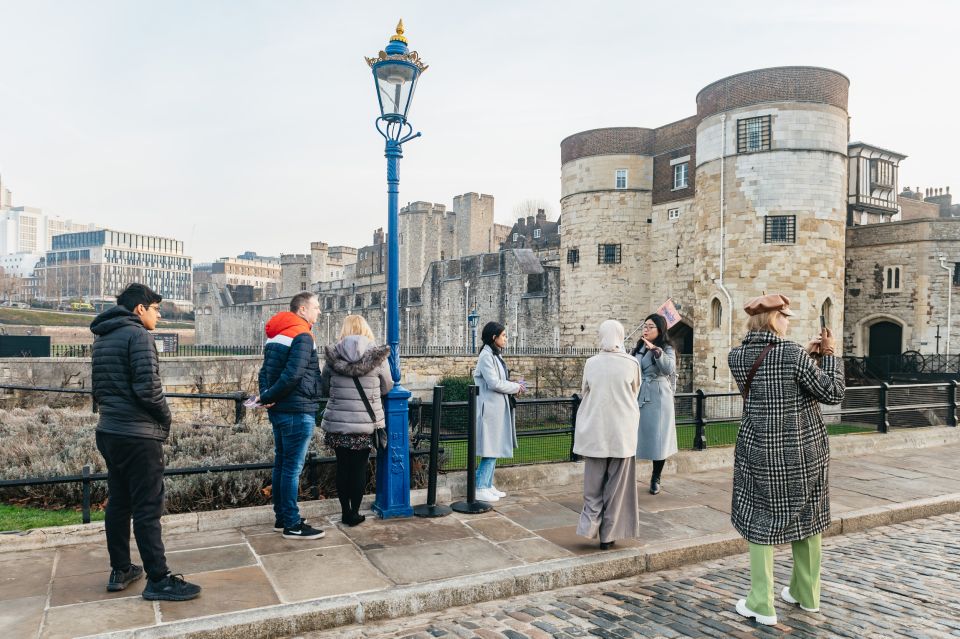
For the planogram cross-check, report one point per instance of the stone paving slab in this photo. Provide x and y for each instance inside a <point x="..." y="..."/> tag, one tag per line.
<point x="256" y="581"/>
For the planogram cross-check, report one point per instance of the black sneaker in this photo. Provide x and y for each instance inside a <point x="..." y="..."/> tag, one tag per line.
<point x="278" y="525"/>
<point x="170" y="588"/>
<point x="120" y="579"/>
<point x="303" y="531"/>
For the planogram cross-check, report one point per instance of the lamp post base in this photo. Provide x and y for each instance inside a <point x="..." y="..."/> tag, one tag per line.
<point x="393" y="464"/>
<point x="471" y="507"/>
<point x="431" y="510"/>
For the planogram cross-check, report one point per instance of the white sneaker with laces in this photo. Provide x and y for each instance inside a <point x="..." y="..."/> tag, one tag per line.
<point x="786" y="596"/>
<point x="485" y="494"/>
<point x="766" y="620"/>
<point x="496" y="491"/>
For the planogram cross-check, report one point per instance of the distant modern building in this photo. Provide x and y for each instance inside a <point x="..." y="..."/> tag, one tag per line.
<point x="25" y="229"/>
<point x="97" y="265"/>
<point x="20" y="264"/>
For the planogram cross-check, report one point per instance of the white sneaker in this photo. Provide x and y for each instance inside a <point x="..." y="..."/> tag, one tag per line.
<point x="766" y="620"/>
<point x="485" y="494"/>
<point x="786" y="596"/>
<point x="496" y="491"/>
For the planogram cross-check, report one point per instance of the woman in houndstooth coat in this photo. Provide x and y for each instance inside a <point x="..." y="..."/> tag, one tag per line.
<point x="782" y="455"/>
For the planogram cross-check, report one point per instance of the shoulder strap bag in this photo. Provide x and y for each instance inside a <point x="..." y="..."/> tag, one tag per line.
<point x="753" y="371"/>
<point x="379" y="433"/>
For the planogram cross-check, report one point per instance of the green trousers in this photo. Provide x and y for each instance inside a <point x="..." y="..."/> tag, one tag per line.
<point x="804" y="582"/>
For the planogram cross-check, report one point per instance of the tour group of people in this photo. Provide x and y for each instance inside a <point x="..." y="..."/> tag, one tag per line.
<point x="780" y="477"/>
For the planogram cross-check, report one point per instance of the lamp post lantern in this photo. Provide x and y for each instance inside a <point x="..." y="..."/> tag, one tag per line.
<point x="396" y="70"/>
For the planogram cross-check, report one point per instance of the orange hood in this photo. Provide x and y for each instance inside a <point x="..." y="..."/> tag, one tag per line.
<point x="286" y="323"/>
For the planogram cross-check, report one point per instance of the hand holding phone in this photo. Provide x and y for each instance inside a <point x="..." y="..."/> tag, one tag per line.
<point x="252" y="402"/>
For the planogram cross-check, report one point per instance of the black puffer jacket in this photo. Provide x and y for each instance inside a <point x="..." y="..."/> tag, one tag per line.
<point x="126" y="377"/>
<point x="290" y="376"/>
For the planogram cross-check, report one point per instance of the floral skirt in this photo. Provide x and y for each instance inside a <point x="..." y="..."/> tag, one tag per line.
<point x="346" y="440"/>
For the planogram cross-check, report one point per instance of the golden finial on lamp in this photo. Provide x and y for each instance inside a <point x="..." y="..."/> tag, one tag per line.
<point x="399" y="36"/>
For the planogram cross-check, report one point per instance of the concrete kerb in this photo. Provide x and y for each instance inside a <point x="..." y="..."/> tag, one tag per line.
<point x="401" y="601"/>
<point x="205" y="521"/>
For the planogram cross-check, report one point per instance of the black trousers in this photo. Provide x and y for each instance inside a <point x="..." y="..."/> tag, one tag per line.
<point x="658" y="468"/>
<point x="351" y="477"/>
<point x="134" y="490"/>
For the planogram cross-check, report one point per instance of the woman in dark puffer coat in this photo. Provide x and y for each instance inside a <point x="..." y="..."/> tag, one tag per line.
<point x="348" y="425"/>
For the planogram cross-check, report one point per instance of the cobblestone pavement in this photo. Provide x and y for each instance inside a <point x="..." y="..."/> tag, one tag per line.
<point x="894" y="581"/>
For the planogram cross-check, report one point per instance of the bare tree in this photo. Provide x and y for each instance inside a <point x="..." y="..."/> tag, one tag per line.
<point x="531" y="206"/>
<point x="9" y="285"/>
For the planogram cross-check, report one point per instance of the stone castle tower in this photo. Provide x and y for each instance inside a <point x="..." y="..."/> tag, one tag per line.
<point x="746" y="196"/>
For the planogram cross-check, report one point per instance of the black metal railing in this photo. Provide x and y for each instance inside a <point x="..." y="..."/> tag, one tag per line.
<point x="183" y="350"/>
<point x="908" y="366"/>
<point x="546" y="427"/>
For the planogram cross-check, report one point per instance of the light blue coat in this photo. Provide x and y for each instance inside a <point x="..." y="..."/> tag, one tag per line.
<point x="496" y="428"/>
<point x="657" y="438"/>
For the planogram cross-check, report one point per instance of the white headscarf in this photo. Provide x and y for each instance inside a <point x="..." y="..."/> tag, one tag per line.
<point x="611" y="336"/>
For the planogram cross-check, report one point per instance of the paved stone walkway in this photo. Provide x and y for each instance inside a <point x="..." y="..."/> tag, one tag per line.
<point x="59" y="592"/>
<point x="894" y="581"/>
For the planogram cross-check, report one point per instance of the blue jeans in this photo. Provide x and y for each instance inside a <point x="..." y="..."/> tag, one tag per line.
<point x="292" y="433"/>
<point x="485" y="472"/>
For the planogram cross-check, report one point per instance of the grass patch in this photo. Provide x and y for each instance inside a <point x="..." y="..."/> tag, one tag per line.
<point x="556" y="448"/>
<point x="33" y="317"/>
<point x="24" y="518"/>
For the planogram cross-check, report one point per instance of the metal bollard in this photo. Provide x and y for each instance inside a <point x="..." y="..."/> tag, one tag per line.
<point x="471" y="506"/>
<point x="86" y="493"/>
<point x="239" y="410"/>
<point x="573" y="427"/>
<point x="431" y="508"/>
<point x="883" y="424"/>
<point x="952" y="416"/>
<point x="700" y="436"/>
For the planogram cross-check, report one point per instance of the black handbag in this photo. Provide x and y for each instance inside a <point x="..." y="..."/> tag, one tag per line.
<point x="380" y="434"/>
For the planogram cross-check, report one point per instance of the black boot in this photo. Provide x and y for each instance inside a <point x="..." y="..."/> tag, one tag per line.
<point x="654" y="485"/>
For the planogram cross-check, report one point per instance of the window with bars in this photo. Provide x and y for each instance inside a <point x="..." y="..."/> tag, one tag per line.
<point x="608" y="254"/>
<point x="621" y="178"/>
<point x="680" y="176"/>
<point x="358" y="301"/>
<point x="780" y="229"/>
<point x="753" y="134"/>
<point x="881" y="173"/>
<point x="956" y="274"/>
<point x="573" y="256"/>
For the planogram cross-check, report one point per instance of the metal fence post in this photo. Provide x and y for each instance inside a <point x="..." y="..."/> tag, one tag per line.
<point x="431" y="509"/>
<point x="883" y="424"/>
<point x="86" y="493"/>
<point x="239" y="410"/>
<point x="471" y="506"/>
<point x="573" y="427"/>
<point x="952" y="417"/>
<point x="313" y="475"/>
<point x="700" y="435"/>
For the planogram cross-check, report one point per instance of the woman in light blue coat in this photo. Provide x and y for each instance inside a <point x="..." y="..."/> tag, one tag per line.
<point x="496" y="428"/>
<point x="657" y="438"/>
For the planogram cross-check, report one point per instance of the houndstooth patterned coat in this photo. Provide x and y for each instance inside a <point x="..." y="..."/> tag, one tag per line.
<point x="782" y="456"/>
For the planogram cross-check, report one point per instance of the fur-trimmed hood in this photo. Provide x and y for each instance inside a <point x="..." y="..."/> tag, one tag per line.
<point x="355" y="356"/>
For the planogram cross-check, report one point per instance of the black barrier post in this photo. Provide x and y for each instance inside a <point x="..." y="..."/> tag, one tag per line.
<point x="239" y="410"/>
<point x="431" y="508"/>
<point x="86" y="493"/>
<point x="573" y="427"/>
<point x="313" y="475"/>
<point x="700" y="436"/>
<point x="471" y="506"/>
<point x="952" y="417"/>
<point x="884" y="423"/>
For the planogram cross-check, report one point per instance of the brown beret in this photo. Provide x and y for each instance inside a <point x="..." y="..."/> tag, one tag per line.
<point x="766" y="303"/>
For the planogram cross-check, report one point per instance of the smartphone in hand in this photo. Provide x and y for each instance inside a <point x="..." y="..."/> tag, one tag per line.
<point x="252" y="402"/>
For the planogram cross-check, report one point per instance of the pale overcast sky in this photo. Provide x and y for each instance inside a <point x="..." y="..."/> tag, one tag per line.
<point x="238" y="125"/>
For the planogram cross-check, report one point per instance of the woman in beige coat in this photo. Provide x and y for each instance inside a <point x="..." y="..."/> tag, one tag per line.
<point x="606" y="437"/>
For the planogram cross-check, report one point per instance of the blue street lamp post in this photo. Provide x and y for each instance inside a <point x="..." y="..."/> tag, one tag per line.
<point x="472" y="318"/>
<point x="396" y="70"/>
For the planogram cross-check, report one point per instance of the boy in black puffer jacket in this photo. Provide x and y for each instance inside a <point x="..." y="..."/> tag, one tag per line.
<point x="134" y="422"/>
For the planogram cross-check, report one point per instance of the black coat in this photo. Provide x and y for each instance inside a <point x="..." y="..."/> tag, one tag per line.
<point x="126" y="377"/>
<point x="290" y="376"/>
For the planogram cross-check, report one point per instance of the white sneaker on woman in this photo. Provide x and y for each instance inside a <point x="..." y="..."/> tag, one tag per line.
<point x="786" y="596"/>
<point x="766" y="620"/>
<point x="496" y="491"/>
<point x="486" y="494"/>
